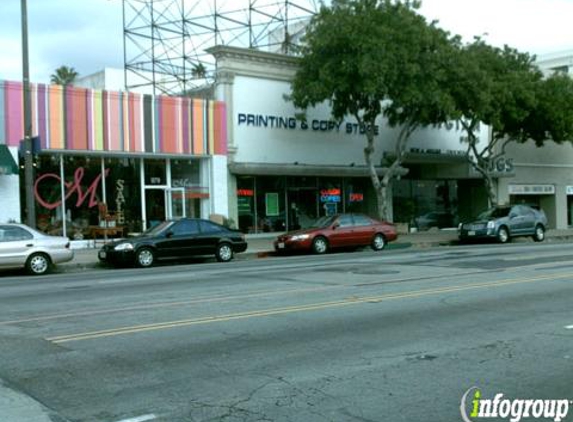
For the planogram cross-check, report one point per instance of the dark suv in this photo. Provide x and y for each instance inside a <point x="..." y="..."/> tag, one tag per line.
<point x="504" y="222"/>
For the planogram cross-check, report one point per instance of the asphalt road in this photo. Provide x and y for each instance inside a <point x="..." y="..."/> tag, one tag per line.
<point x="391" y="336"/>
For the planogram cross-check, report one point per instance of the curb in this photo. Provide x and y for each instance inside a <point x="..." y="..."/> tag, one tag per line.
<point x="96" y="265"/>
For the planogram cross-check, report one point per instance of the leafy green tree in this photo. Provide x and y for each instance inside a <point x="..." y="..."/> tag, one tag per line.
<point x="64" y="75"/>
<point x="552" y="119"/>
<point x="503" y="89"/>
<point x="373" y="58"/>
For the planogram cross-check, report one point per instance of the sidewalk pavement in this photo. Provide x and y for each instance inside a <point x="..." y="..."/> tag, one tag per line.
<point x="261" y="245"/>
<point x="17" y="406"/>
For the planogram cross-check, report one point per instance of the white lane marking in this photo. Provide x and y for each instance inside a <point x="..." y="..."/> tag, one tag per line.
<point x="140" y="418"/>
<point x="569" y="327"/>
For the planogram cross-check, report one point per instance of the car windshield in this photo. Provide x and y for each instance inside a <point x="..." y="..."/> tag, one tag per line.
<point x="494" y="213"/>
<point x="155" y="230"/>
<point x="323" y="222"/>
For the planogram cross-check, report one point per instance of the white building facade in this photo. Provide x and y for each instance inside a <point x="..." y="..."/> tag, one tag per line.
<point x="285" y="172"/>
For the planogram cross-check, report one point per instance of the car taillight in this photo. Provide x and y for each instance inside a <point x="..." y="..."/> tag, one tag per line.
<point x="67" y="245"/>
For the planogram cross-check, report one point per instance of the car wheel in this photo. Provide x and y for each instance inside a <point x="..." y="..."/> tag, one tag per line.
<point x="503" y="235"/>
<point x="38" y="264"/>
<point x="539" y="235"/>
<point x="145" y="257"/>
<point x="319" y="245"/>
<point x="379" y="242"/>
<point x="224" y="252"/>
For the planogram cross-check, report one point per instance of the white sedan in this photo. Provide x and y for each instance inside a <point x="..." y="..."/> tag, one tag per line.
<point x="24" y="247"/>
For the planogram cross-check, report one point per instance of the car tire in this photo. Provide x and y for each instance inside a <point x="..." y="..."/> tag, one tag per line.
<point x="378" y="242"/>
<point x="38" y="264"/>
<point x="224" y="252"/>
<point x="539" y="235"/>
<point x="503" y="235"/>
<point x="144" y="258"/>
<point x="320" y="245"/>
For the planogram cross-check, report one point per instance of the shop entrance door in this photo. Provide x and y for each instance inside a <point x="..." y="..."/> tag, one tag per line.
<point x="175" y="203"/>
<point x="155" y="206"/>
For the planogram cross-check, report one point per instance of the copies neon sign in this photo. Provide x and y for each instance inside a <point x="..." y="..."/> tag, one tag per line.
<point x="71" y="187"/>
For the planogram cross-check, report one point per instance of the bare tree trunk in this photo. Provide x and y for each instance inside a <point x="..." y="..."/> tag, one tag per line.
<point x="379" y="187"/>
<point x="481" y="160"/>
<point x="382" y="186"/>
<point x="490" y="185"/>
<point x="490" y="188"/>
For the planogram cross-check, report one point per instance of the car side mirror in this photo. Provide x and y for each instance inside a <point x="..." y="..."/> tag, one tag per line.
<point x="335" y="225"/>
<point x="169" y="234"/>
<point x="512" y="215"/>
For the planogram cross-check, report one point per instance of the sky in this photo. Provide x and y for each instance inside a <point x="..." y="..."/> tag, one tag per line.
<point x="87" y="34"/>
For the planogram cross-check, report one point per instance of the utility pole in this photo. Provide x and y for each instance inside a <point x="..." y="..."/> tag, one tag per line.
<point x="28" y="149"/>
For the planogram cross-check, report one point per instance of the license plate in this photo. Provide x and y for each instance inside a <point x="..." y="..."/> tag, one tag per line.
<point x="281" y="245"/>
<point x="471" y="233"/>
<point x="102" y="254"/>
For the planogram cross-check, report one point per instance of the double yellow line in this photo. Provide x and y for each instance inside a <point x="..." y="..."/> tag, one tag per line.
<point x="300" y="308"/>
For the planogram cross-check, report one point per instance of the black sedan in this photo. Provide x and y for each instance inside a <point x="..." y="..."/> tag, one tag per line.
<point x="177" y="239"/>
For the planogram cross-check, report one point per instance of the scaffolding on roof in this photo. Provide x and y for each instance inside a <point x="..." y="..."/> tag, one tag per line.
<point x="165" y="40"/>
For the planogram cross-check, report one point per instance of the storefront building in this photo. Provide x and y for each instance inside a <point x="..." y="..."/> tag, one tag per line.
<point x="543" y="178"/>
<point x="284" y="172"/>
<point x="120" y="161"/>
<point x="543" y="175"/>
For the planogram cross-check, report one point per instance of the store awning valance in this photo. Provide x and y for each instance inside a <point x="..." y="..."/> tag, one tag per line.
<point x="296" y="169"/>
<point x="7" y="163"/>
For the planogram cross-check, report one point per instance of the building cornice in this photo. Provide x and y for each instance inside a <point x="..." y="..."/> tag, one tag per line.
<point x="251" y="62"/>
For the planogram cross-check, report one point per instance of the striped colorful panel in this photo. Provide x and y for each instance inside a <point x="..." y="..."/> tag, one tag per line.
<point x="13" y="109"/>
<point x="198" y="110"/>
<point x="90" y="120"/>
<point x="3" y="118"/>
<point x="57" y="121"/>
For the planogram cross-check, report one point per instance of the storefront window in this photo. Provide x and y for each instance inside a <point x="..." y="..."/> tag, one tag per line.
<point x="426" y="204"/>
<point x="48" y="195"/>
<point x="355" y="195"/>
<point x="302" y="195"/>
<point x="155" y="172"/>
<point x="403" y="201"/>
<point x="123" y="194"/>
<point x="271" y="211"/>
<point x="84" y="195"/>
<point x="246" y="204"/>
<point x="186" y="175"/>
<point x="330" y="197"/>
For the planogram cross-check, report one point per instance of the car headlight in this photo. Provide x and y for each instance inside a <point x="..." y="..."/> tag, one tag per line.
<point x="300" y="237"/>
<point x="491" y="224"/>
<point x="124" y="247"/>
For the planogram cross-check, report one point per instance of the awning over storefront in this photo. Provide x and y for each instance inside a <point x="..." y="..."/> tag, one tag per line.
<point x="7" y="163"/>
<point x="294" y="169"/>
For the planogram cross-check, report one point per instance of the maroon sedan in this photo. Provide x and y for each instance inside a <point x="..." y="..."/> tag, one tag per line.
<point x="338" y="231"/>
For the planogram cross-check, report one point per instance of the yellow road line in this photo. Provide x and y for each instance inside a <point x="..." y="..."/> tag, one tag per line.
<point x="220" y="298"/>
<point x="299" y="308"/>
<point x="146" y="306"/>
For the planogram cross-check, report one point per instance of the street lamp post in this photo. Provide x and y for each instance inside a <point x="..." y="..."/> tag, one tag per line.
<point x="28" y="149"/>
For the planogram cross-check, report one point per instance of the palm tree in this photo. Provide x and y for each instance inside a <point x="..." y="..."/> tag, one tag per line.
<point x="64" y="75"/>
<point x="199" y="71"/>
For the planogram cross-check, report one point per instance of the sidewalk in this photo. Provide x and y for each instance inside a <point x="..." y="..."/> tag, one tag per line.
<point x="261" y="245"/>
<point x="17" y="406"/>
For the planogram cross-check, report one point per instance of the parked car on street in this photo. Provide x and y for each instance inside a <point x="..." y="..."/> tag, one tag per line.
<point x="504" y="222"/>
<point x="439" y="219"/>
<point x="338" y="231"/>
<point x="177" y="239"/>
<point x="23" y="247"/>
